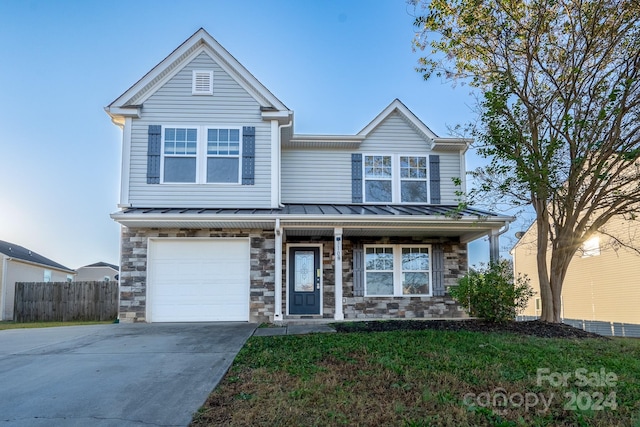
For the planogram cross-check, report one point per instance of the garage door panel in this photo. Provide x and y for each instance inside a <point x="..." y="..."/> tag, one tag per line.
<point x="199" y="280"/>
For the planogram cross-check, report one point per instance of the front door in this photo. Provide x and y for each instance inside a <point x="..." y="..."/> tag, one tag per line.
<point x="304" y="280"/>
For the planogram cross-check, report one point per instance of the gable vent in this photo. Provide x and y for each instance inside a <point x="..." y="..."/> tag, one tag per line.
<point x="202" y="82"/>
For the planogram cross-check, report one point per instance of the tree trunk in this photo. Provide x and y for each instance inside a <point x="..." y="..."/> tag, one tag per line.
<point x="546" y="296"/>
<point x="560" y="259"/>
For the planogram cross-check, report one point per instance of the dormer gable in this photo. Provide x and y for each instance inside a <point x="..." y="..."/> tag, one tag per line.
<point x="130" y="103"/>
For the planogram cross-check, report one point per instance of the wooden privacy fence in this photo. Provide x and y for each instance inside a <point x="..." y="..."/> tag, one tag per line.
<point x="65" y="301"/>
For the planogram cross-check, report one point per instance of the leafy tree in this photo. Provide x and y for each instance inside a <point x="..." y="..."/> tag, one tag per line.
<point x="492" y="293"/>
<point x="558" y="111"/>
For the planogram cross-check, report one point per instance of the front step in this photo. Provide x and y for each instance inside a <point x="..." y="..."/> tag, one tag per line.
<point x="306" y="320"/>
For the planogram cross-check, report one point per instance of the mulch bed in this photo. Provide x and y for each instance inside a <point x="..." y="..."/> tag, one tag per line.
<point x="531" y="328"/>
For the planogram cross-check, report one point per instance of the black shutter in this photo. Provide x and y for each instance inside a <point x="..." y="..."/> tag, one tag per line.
<point x="437" y="273"/>
<point x="248" y="155"/>
<point x="356" y="178"/>
<point x="358" y="271"/>
<point x="434" y="179"/>
<point x="154" y="147"/>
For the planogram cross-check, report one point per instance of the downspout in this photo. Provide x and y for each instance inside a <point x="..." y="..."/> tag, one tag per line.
<point x="494" y="243"/>
<point x="280" y="160"/>
<point x="3" y="286"/>
<point x="277" y="310"/>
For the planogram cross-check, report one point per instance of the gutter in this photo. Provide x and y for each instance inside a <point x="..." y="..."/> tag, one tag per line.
<point x="24" y="261"/>
<point x="310" y="218"/>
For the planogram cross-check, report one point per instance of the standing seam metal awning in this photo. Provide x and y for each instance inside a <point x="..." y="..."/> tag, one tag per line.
<point x="320" y="219"/>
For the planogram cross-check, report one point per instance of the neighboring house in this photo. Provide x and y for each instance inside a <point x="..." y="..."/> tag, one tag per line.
<point x="18" y="264"/>
<point x="602" y="280"/>
<point x="98" y="272"/>
<point x="228" y="214"/>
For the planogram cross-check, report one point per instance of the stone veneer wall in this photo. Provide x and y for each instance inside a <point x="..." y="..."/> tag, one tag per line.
<point x="455" y="267"/>
<point x="455" y="264"/>
<point x="133" y="276"/>
<point x="133" y="272"/>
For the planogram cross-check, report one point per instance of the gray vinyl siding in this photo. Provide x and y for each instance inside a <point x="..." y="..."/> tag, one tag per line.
<point x="394" y="135"/>
<point x="324" y="175"/>
<point x="173" y="104"/>
<point x="316" y="176"/>
<point x="449" y="169"/>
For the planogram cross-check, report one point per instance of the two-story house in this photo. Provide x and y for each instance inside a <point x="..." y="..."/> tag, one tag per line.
<point x="228" y="214"/>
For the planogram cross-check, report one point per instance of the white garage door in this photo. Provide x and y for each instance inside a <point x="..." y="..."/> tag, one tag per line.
<point x="198" y="280"/>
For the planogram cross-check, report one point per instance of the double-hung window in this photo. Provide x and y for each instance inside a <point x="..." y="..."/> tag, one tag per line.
<point x="223" y="155"/>
<point x="397" y="270"/>
<point x="378" y="178"/>
<point x="180" y="154"/>
<point x="201" y="155"/>
<point x="413" y="179"/>
<point x="395" y="179"/>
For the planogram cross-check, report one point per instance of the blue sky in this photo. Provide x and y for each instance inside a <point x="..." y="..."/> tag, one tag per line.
<point x="336" y="64"/>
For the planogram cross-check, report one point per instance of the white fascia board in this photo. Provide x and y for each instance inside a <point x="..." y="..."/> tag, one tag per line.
<point x="277" y="115"/>
<point x="402" y="109"/>
<point x="200" y="41"/>
<point x="37" y="264"/>
<point x="118" y="114"/>
<point x="328" y="138"/>
<point x="452" y="144"/>
<point x="484" y="223"/>
<point x="324" y="141"/>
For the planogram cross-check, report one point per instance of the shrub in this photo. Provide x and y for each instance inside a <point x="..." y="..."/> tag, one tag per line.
<point x="492" y="294"/>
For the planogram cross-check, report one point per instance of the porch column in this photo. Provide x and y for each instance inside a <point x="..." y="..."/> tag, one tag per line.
<point x="494" y="246"/>
<point x="277" y="311"/>
<point x="337" y="266"/>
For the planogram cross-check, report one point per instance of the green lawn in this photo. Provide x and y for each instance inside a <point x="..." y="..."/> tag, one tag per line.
<point x="428" y="378"/>
<point x="14" y="325"/>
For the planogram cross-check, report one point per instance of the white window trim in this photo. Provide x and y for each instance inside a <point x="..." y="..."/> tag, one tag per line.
<point x="194" y="90"/>
<point x="235" y="156"/>
<point x="397" y="270"/>
<point x="201" y="154"/>
<point x="396" y="180"/>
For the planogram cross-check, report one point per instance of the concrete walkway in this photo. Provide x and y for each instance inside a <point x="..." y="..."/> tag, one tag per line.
<point x="113" y="375"/>
<point x="293" y="330"/>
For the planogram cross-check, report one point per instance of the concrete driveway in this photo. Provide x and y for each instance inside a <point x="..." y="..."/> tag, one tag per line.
<point x="113" y="375"/>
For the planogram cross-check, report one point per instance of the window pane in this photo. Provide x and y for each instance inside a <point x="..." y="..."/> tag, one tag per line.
<point x="180" y="169"/>
<point x="377" y="166"/>
<point x="379" y="283"/>
<point x="415" y="283"/>
<point x="222" y="169"/>
<point x="415" y="259"/>
<point x="377" y="191"/>
<point x="223" y="142"/>
<point x="413" y="167"/>
<point x="413" y="191"/>
<point x="379" y="259"/>
<point x="180" y="141"/>
<point x="169" y="147"/>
